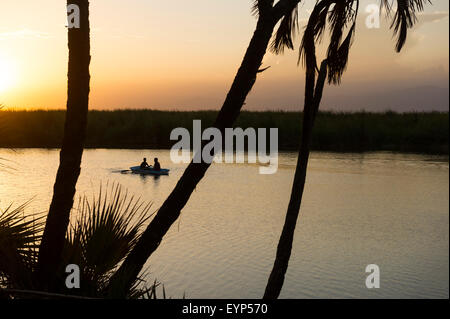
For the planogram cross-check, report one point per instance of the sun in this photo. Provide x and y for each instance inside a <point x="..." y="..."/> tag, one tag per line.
<point x="7" y="74"/>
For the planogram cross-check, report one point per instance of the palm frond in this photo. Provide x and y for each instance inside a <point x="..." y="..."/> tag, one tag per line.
<point x="255" y="8"/>
<point x="286" y="32"/>
<point x="260" y="5"/>
<point x="19" y="241"/>
<point x="313" y="33"/>
<point x="404" y="17"/>
<point x="108" y="227"/>
<point x="339" y="15"/>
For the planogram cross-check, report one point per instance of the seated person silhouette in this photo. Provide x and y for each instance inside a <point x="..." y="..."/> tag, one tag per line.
<point x="144" y="164"/>
<point x="156" y="166"/>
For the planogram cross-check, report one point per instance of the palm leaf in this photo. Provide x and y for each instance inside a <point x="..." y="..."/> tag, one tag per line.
<point x="340" y="16"/>
<point x="19" y="241"/>
<point x="404" y="17"/>
<point x="108" y="227"/>
<point x="286" y="32"/>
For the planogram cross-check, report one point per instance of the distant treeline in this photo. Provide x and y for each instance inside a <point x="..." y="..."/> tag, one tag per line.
<point x="342" y="132"/>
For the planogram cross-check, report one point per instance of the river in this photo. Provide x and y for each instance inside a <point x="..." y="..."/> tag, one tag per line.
<point x="387" y="209"/>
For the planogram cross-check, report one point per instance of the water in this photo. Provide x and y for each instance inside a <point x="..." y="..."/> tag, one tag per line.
<point x="359" y="209"/>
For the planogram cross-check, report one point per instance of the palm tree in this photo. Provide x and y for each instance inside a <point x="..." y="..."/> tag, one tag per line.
<point x="285" y="12"/>
<point x="340" y="15"/>
<point x="72" y="148"/>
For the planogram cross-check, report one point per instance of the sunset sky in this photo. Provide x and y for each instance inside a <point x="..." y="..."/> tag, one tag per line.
<point x="184" y="54"/>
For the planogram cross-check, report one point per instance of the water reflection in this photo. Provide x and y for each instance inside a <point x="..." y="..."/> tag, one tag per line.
<point x="146" y="178"/>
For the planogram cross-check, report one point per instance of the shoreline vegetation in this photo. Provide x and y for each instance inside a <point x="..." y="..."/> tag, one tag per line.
<point x="419" y="132"/>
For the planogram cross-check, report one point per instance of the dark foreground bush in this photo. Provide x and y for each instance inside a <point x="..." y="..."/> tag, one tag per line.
<point x="103" y="231"/>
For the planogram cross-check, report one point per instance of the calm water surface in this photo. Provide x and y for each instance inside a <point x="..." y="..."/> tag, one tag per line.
<point x="386" y="209"/>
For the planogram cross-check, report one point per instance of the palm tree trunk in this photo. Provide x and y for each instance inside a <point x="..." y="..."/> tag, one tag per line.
<point x="71" y="150"/>
<point x="313" y="96"/>
<point x="171" y="208"/>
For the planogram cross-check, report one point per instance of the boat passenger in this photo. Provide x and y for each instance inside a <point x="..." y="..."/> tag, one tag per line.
<point x="157" y="165"/>
<point x="144" y="164"/>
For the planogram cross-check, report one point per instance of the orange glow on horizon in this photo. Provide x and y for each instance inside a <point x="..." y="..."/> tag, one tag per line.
<point x="175" y="55"/>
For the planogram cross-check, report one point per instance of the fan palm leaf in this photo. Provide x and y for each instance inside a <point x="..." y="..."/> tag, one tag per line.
<point x="108" y="227"/>
<point x="19" y="240"/>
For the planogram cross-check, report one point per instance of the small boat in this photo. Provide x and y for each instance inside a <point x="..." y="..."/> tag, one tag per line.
<point x="149" y="171"/>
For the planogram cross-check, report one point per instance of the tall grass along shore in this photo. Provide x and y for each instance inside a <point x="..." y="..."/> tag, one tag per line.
<point x="341" y="132"/>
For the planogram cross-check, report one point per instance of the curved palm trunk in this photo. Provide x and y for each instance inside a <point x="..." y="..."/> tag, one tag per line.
<point x="337" y="56"/>
<point x="171" y="208"/>
<point x="71" y="151"/>
<point x="313" y="96"/>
